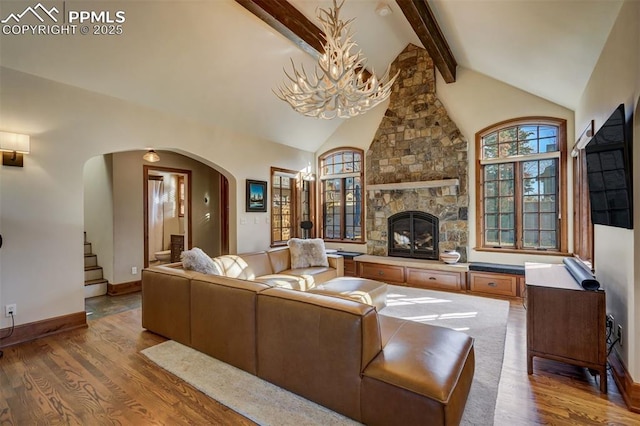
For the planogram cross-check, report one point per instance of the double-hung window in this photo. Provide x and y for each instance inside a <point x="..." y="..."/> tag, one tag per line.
<point x="341" y="192"/>
<point x="521" y="186"/>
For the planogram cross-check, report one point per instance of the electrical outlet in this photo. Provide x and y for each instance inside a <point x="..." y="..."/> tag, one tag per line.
<point x="10" y="310"/>
<point x="610" y="321"/>
<point x="134" y="270"/>
<point x="619" y="336"/>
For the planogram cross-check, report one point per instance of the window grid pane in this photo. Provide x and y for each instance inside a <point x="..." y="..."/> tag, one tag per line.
<point x="342" y="197"/>
<point x="353" y="202"/>
<point x="540" y="184"/>
<point x="332" y="197"/>
<point x="281" y="209"/>
<point x="520" y="140"/>
<point x="537" y="196"/>
<point x="499" y="206"/>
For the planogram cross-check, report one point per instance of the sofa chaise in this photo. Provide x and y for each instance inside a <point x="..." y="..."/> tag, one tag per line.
<point x="327" y="347"/>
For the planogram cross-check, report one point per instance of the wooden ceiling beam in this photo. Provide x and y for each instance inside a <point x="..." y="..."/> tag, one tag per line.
<point x="424" y="23"/>
<point x="290" y="22"/>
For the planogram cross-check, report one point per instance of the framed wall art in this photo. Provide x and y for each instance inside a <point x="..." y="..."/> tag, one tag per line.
<point x="256" y="195"/>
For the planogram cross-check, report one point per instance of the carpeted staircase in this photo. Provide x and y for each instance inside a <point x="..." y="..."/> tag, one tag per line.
<point x="94" y="282"/>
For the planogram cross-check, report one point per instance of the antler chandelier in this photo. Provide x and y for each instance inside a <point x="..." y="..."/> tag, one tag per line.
<point x="337" y="88"/>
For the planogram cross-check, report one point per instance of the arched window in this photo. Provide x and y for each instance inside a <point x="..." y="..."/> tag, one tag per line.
<point x="341" y="197"/>
<point x="521" y="186"/>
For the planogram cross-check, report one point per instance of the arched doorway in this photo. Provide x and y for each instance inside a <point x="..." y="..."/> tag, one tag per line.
<point x="115" y="212"/>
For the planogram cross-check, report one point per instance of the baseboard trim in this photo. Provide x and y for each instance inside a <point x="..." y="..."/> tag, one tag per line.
<point x="35" y="330"/>
<point x="124" y="288"/>
<point x="629" y="389"/>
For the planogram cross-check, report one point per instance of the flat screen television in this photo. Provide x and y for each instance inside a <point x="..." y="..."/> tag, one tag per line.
<point x="609" y="172"/>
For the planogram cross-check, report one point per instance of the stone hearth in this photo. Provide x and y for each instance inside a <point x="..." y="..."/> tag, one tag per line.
<point x="417" y="160"/>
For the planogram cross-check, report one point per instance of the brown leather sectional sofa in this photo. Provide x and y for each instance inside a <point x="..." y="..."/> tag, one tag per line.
<point x="335" y="351"/>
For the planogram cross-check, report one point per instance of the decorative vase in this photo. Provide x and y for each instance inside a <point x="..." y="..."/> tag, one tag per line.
<point x="450" y="256"/>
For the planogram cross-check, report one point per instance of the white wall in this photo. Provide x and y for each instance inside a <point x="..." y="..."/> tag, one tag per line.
<point x="616" y="80"/>
<point x="473" y="102"/>
<point x="98" y="210"/>
<point x="41" y="268"/>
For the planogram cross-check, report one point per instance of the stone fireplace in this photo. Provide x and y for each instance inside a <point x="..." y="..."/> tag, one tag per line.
<point x="417" y="165"/>
<point x="413" y="234"/>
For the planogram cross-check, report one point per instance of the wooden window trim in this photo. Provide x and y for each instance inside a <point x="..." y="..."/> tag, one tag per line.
<point x="562" y="172"/>
<point x="311" y="184"/>
<point x="582" y="226"/>
<point x="181" y="191"/>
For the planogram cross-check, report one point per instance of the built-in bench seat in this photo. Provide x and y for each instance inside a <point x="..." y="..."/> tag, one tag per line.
<point x="496" y="268"/>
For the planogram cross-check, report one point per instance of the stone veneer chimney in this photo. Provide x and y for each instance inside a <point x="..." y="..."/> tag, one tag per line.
<point x="417" y="143"/>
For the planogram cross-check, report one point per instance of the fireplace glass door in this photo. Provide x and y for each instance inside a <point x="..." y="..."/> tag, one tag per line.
<point x="413" y="234"/>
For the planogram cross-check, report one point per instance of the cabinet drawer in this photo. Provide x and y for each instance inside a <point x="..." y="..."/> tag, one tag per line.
<point x="505" y="285"/>
<point x="425" y="278"/>
<point x="387" y="273"/>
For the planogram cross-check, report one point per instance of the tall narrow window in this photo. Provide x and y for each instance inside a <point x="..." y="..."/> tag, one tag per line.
<point x="521" y="185"/>
<point x="283" y="201"/>
<point x="342" y="189"/>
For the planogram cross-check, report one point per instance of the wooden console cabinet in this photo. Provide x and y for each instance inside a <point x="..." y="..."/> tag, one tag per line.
<point x="565" y="322"/>
<point x="350" y="266"/>
<point x="177" y="247"/>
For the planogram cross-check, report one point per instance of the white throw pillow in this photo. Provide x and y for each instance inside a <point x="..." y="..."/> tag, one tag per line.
<point x="197" y="260"/>
<point x="306" y="253"/>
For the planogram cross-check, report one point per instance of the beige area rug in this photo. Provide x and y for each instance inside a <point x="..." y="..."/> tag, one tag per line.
<point x="266" y="404"/>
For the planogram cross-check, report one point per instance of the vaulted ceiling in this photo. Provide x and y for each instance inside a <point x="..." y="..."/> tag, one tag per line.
<point x="215" y="62"/>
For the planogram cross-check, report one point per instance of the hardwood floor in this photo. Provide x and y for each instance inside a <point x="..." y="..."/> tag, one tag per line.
<point x="98" y="376"/>
<point x="556" y="393"/>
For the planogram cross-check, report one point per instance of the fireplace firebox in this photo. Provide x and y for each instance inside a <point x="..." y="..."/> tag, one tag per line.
<point x="413" y="234"/>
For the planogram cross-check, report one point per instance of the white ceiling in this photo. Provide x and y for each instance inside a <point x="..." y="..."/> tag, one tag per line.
<point x="216" y="63"/>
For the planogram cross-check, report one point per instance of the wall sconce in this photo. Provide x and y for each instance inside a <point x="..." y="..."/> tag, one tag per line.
<point x="13" y="145"/>
<point x="151" y="156"/>
<point x="307" y="174"/>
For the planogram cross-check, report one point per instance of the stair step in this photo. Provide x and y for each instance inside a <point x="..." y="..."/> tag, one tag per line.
<point x="96" y="281"/>
<point x="92" y="273"/>
<point x="97" y="289"/>
<point x="90" y="260"/>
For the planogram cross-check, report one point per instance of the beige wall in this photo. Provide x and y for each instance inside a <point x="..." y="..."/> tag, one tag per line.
<point x="98" y="210"/>
<point x="616" y="80"/>
<point x="42" y="216"/>
<point x="476" y="101"/>
<point x="473" y="102"/>
<point x="129" y="206"/>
